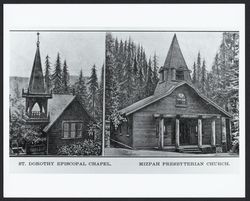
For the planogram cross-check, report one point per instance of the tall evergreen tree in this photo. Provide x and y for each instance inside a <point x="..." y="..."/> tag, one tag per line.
<point x="65" y="78"/>
<point x="57" y="76"/>
<point x="203" y="76"/>
<point x="93" y="88"/>
<point x="81" y="90"/>
<point x="155" y="78"/>
<point x="198" y="66"/>
<point x="112" y="89"/>
<point x="149" y="88"/>
<point x="194" y="74"/>
<point x="47" y="77"/>
<point x="100" y="94"/>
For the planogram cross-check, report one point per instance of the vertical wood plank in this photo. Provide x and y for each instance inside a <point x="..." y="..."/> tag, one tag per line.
<point x="177" y="133"/>
<point x="213" y="136"/>
<point x="161" y="133"/>
<point x="199" y="132"/>
<point x="223" y="127"/>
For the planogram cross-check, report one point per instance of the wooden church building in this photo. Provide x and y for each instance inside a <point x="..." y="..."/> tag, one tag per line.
<point x="177" y="116"/>
<point x="62" y="118"/>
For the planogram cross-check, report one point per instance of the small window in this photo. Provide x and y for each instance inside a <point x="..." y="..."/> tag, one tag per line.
<point x="181" y="99"/>
<point x="162" y="76"/>
<point x="179" y="75"/>
<point x="72" y="130"/>
<point x="78" y="130"/>
<point x="66" y="130"/>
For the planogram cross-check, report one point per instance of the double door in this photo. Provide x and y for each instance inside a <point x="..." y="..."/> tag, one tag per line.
<point x="187" y="131"/>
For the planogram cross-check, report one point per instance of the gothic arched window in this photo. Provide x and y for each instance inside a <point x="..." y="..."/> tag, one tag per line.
<point x="181" y="99"/>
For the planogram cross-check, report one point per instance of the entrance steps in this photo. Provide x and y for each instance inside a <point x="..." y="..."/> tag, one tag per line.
<point x="190" y="149"/>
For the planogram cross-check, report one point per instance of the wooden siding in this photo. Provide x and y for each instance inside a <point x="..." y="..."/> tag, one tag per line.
<point x="72" y="113"/>
<point x="123" y="133"/>
<point x="144" y="126"/>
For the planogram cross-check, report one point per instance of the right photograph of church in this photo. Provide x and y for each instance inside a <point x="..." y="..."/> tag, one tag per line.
<point x="172" y="94"/>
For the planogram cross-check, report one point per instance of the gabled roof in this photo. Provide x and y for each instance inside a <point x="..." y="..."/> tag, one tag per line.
<point x="151" y="99"/>
<point x="57" y="105"/>
<point x="175" y="58"/>
<point x="36" y="83"/>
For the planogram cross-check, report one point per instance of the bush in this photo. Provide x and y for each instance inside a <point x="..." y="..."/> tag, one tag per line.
<point x="88" y="147"/>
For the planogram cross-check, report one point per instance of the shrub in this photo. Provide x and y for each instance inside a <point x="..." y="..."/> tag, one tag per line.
<point x="87" y="147"/>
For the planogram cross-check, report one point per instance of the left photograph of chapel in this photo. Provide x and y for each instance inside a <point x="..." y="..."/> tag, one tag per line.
<point x="56" y="93"/>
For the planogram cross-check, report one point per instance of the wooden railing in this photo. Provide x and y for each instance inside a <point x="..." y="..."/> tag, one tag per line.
<point x="36" y="116"/>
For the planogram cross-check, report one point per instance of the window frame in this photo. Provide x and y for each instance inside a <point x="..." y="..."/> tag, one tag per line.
<point x="177" y="74"/>
<point x="69" y="129"/>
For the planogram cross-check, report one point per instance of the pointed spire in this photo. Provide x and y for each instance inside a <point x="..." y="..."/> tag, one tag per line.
<point x="175" y="58"/>
<point x="36" y="83"/>
<point x="38" y="42"/>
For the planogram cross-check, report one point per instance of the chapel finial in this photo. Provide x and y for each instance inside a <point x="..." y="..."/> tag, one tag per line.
<point x="38" y="42"/>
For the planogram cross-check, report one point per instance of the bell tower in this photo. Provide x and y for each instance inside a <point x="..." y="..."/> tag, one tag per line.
<point x="36" y="106"/>
<point x="174" y="69"/>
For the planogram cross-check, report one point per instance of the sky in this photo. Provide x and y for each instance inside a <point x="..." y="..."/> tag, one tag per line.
<point x="190" y="43"/>
<point x="81" y="51"/>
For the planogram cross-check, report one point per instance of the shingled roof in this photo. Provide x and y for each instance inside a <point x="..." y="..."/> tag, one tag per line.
<point x="174" y="57"/>
<point x="151" y="99"/>
<point x="56" y="106"/>
<point x="36" y="83"/>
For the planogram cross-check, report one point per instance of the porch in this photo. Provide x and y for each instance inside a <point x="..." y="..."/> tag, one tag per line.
<point x="189" y="132"/>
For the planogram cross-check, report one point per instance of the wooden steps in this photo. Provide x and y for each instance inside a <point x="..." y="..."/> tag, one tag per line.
<point x="190" y="149"/>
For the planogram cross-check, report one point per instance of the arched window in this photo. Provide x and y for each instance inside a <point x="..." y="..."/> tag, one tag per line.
<point x="181" y="99"/>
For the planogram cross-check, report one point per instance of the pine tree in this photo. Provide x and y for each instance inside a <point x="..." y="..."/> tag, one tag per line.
<point x="225" y="77"/>
<point x="198" y="75"/>
<point x="155" y="78"/>
<point x="100" y="94"/>
<point x="203" y="77"/>
<point x="149" y="88"/>
<point x="47" y="77"/>
<point x="112" y="89"/>
<point x="194" y="74"/>
<point x="81" y="90"/>
<point x="65" y="78"/>
<point x="57" y="76"/>
<point x="93" y="88"/>
<point x="135" y="68"/>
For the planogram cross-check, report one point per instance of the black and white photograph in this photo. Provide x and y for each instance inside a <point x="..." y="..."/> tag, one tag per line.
<point x="172" y="94"/>
<point x="124" y="100"/>
<point x="56" y="92"/>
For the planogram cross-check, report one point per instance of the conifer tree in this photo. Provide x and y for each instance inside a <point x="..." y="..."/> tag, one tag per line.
<point x="81" y="90"/>
<point x="194" y="74"/>
<point x="65" y="78"/>
<point x="100" y="94"/>
<point x="57" y="76"/>
<point x="93" y="88"/>
<point x="203" y="76"/>
<point x="198" y="66"/>
<point x="155" y="71"/>
<point x="112" y="89"/>
<point x="47" y="77"/>
<point x="149" y="88"/>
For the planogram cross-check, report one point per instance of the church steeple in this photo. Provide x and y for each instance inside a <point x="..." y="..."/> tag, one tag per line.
<point x="36" y="94"/>
<point x="36" y="83"/>
<point x="174" y="69"/>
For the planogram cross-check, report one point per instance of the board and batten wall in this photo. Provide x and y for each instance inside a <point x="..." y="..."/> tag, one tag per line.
<point x="55" y="135"/>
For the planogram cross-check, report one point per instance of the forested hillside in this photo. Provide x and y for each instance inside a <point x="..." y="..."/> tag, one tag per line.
<point x="131" y="75"/>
